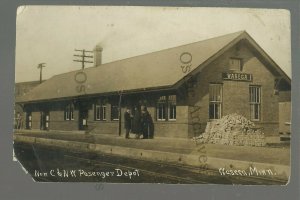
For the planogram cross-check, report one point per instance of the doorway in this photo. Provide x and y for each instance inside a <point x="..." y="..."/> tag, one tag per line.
<point x="44" y="121"/>
<point x="83" y="118"/>
<point x="28" y="120"/>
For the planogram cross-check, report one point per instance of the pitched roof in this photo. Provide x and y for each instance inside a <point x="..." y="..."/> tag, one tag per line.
<point x="161" y="69"/>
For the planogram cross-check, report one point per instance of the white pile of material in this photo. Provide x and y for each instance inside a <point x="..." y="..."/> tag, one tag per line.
<point x="232" y="129"/>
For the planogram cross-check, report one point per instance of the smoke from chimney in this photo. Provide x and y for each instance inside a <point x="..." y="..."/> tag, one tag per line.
<point x="97" y="55"/>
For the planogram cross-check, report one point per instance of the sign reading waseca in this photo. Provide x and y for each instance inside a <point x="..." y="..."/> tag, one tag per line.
<point x="236" y="76"/>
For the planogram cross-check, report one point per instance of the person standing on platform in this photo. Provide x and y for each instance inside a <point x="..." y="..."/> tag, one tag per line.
<point x="147" y="124"/>
<point x="136" y="122"/>
<point x="151" y="127"/>
<point x="127" y="119"/>
<point x="20" y="122"/>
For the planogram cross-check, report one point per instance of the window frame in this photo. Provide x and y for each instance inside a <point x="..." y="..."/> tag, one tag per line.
<point x="72" y="112"/>
<point x="172" y="102"/>
<point x="163" y="107"/>
<point x="256" y="102"/>
<point x="111" y="112"/>
<point x="215" y="102"/>
<point x="69" y="112"/>
<point x="239" y="68"/>
<point x="102" y="112"/>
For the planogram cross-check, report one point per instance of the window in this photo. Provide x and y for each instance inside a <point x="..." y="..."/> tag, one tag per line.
<point x="172" y="107"/>
<point x="161" y="108"/>
<point x="114" y="112"/>
<point x="235" y="64"/>
<point x="100" y="112"/>
<point x="255" y="100"/>
<point x="69" y="112"/>
<point x="166" y="108"/>
<point x="215" y="101"/>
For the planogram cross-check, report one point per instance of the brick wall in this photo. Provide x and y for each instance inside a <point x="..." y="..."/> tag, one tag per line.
<point x="284" y="117"/>
<point x="192" y="104"/>
<point x="178" y="128"/>
<point x="285" y="96"/>
<point x="236" y="93"/>
<point x="57" y="121"/>
<point x="35" y="120"/>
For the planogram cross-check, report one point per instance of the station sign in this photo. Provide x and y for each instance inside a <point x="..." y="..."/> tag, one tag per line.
<point x="236" y="76"/>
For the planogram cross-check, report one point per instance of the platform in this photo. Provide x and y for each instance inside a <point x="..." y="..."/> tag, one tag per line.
<point x="171" y="150"/>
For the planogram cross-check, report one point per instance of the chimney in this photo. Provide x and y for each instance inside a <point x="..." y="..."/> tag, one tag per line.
<point x="97" y="55"/>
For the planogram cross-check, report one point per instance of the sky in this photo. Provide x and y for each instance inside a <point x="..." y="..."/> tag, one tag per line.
<point x="49" y="34"/>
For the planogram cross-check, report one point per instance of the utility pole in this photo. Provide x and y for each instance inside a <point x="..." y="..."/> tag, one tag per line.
<point x="83" y="57"/>
<point x="41" y="66"/>
<point x="120" y="113"/>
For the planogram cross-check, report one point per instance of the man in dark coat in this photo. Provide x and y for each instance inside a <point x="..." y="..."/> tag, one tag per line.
<point x="147" y="124"/>
<point x="151" y="127"/>
<point x="127" y="120"/>
<point x="136" y="124"/>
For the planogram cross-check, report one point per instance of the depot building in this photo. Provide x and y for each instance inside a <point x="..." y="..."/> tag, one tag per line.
<point x="183" y="87"/>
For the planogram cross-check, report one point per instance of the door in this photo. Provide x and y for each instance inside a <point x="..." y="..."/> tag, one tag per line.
<point x="44" y="122"/>
<point x="83" y="117"/>
<point x="28" y="120"/>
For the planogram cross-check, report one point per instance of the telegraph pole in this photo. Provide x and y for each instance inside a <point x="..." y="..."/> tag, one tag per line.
<point x="83" y="57"/>
<point x="120" y="113"/>
<point x="41" y="66"/>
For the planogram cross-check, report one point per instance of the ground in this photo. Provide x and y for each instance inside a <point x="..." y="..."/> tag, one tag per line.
<point x="182" y="153"/>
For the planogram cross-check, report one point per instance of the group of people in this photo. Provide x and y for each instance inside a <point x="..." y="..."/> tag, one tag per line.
<point x="139" y="123"/>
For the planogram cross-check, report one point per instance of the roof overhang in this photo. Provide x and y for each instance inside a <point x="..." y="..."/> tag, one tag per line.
<point x="114" y="93"/>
